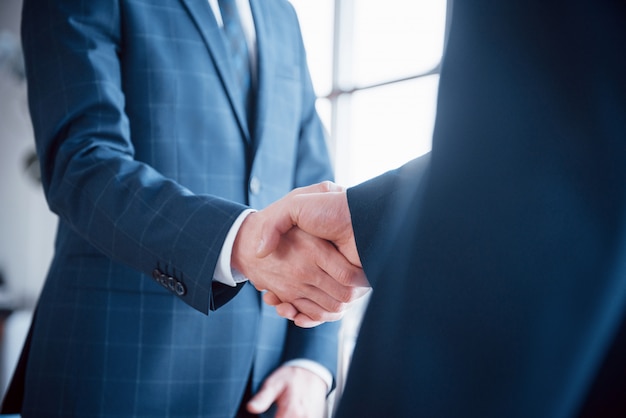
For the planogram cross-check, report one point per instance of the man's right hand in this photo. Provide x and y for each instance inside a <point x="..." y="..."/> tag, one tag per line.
<point x="296" y="267"/>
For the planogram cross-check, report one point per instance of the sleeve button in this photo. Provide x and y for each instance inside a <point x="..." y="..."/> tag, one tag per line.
<point x="180" y="289"/>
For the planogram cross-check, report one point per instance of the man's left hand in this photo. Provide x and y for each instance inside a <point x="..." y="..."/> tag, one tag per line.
<point x="297" y="392"/>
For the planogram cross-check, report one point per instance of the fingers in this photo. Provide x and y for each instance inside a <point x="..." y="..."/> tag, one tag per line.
<point x="327" y="296"/>
<point x="283" y="215"/>
<point x="271" y="299"/>
<point x="270" y="391"/>
<point x="305" y="261"/>
<point x="286" y="310"/>
<point x="294" y="270"/>
<point x="302" y="263"/>
<point x="291" y="311"/>
<point x="324" y="215"/>
<point x="304" y="319"/>
<point x="352" y="278"/>
<point x="296" y="392"/>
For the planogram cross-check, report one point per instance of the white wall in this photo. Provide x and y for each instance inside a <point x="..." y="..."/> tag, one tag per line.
<point x="26" y="225"/>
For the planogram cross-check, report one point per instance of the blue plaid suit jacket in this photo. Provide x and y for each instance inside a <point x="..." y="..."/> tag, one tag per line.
<point x="147" y="160"/>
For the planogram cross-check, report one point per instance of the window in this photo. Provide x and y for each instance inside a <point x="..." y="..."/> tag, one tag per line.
<point x="375" y="69"/>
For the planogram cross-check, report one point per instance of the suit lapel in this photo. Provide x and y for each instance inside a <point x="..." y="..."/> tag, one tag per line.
<point x="202" y="15"/>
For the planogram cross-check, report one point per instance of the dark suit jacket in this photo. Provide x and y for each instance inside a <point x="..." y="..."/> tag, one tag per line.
<point x="147" y="159"/>
<point x="499" y="270"/>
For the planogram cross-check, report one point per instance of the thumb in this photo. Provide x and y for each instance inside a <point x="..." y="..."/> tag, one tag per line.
<point x="282" y="215"/>
<point x="270" y="234"/>
<point x="264" y="398"/>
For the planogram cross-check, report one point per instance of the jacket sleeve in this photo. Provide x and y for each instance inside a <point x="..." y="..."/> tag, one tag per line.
<point x="123" y="207"/>
<point x="319" y="344"/>
<point x="377" y="204"/>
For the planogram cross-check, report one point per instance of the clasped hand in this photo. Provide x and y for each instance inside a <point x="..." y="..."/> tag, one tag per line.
<point x="301" y="250"/>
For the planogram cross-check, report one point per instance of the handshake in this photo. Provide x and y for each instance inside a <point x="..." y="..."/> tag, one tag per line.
<point x="301" y="250"/>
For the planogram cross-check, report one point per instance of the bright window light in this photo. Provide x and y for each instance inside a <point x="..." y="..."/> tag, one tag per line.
<point x="384" y="82"/>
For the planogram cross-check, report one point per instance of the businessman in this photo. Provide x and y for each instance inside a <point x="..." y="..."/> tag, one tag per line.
<point x="498" y="261"/>
<point x="158" y="125"/>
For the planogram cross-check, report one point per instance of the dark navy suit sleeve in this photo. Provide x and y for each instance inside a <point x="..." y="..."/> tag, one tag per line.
<point x="376" y="206"/>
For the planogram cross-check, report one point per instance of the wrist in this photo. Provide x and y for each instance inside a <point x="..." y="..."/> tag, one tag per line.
<point x="243" y="244"/>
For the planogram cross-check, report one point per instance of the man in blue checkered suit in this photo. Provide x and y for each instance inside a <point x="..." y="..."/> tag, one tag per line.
<point x="149" y="158"/>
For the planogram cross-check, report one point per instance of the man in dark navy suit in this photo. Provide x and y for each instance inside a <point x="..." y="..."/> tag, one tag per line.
<point x="498" y="261"/>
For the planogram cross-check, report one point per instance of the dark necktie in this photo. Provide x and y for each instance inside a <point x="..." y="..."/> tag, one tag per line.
<point x="240" y="59"/>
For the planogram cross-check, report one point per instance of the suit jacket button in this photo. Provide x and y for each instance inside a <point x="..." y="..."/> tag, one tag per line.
<point x="163" y="280"/>
<point x="171" y="283"/>
<point x="156" y="274"/>
<point x="180" y="289"/>
<point x="255" y="185"/>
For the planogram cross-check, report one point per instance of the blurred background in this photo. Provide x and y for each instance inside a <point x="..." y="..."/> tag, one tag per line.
<point x="375" y="68"/>
<point x="27" y="227"/>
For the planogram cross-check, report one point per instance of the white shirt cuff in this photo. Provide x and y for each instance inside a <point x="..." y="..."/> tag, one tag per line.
<point x="224" y="273"/>
<point x="314" y="367"/>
